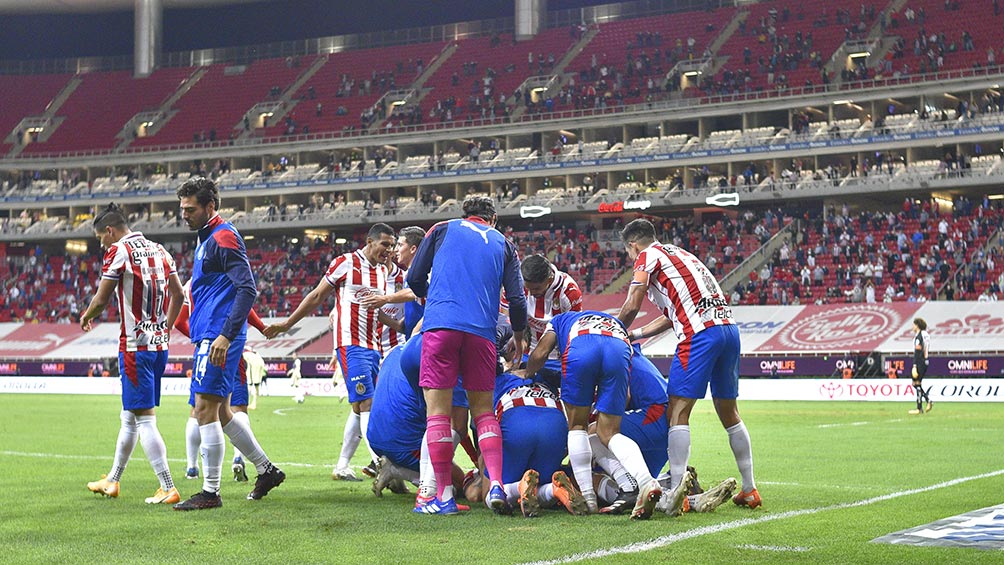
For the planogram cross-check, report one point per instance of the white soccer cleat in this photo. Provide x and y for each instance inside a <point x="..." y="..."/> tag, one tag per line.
<point x="709" y="500"/>
<point x="674" y="502"/>
<point x="344" y="474"/>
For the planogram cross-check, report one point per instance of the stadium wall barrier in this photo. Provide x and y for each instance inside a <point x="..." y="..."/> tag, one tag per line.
<point x="759" y="151"/>
<point x="170" y="386"/>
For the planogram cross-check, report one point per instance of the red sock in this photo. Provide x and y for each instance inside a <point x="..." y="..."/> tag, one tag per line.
<point x="439" y="436"/>
<point x="490" y="442"/>
<point x="468" y="446"/>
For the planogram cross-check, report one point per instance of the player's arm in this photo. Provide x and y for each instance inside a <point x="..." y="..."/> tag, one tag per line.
<point x="635" y="298"/>
<point x="181" y="324"/>
<point x="392" y="323"/>
<point x="512" y="282"/>
<point x="255" y="321"/>
<point x="380" y="300"/>
<point x="177" y="293"/>
<point x="539" y="354"/>
<point x="238" y="270"/>
<point x="309" y="304"/>
<point x="655" y="327"/>
<point x="421" y="263"/>
<point x="98" y="303"/>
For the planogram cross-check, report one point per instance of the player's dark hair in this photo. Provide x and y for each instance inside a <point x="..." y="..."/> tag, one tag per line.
<point x="920" y="323"/>
<point x="376" y="230"/>
<point x="638" y="230"/>
<point x="536" y="268"/>
<point x="112" y="215"/>
<point x="204" y="190"/>
<point x="480" y="206"/>
<point x="413" y="235"/>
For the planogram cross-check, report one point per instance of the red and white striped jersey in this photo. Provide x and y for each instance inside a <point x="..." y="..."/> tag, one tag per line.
<point x="141" y="268"/>
<point x="683" y="288"/>
<point x="530" y="395"/>
<point x="354" y="278"/>
<point x="562" y="296"/>
<point x="395" y="282"/>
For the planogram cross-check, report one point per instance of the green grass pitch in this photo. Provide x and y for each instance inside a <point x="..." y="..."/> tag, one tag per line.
<point x="808" y="456"/>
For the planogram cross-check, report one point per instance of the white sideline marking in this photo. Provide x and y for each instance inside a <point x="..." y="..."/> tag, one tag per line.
<point x="140" y="457"/>
<point x="846" y="487"/>
<point x="772" y="547"/>
<point x="280" y="411"/>
<point x="857" y="424"/>
<point x="663" y="541"/>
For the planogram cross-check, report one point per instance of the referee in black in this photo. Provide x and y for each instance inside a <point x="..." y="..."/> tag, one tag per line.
<point x="921" y="346"/>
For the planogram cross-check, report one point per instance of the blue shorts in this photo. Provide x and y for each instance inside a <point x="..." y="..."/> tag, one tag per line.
<point x="360" y="367"/>
<point x="210" y="379"/>
<point x="650" y="430"/>
<point x="401" y="458"/>
<point x="596" y="366"/>
<point x="239" y="394"/>
<point x="141" y="372"/>
<point x="533" y="437"/>
<point x="709" y="356"/>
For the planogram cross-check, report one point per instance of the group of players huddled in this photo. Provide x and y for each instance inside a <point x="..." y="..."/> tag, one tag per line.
<point x="437" y="333"/>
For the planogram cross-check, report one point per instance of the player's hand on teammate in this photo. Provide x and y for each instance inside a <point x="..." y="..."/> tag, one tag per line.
<point x="218" y="351"/>
<point x="374" y="300"/>
<point x="275" y="329"/>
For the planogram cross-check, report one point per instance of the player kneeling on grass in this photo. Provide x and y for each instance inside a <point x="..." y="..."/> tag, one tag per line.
<point x="145" y="331"/>
<point x="597" y="360"/>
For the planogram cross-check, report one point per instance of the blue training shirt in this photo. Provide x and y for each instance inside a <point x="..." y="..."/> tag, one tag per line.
<point x="471" y="262"/>
<point x="223" y="288"/>
<point x="646" y="384"/>
<point x="397" y="418"/>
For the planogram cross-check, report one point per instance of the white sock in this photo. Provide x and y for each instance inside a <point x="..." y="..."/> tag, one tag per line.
<point x="238" y="429"/>
<point x="192" y="440"/>
<point x="213" y="447"/>
<point x="155" y="450"/>
<point x="364" y="424"/>
<point x="426" y="475"/>
<point x="511" y="492"/>
<point x="545" y="494"/>
<point x="609" y="463"/>
<point x="608" y="490"/>
<point x="581" y="458"/>
<point x="237" y="453"/>
<point x="739" y="440"/>
<point x="126" y="442"/>
<point x="403" y="473"/>
<point x="350" y="440"/>
<point x="678" y="453"/>
<point x="627" y="451"/>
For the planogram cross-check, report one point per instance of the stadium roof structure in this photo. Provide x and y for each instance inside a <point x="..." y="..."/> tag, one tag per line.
<point x="89" y="6"/>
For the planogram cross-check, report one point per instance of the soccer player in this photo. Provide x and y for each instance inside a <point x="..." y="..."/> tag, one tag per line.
<point x="149" y="299"/>
<point x="549" y="292"/>
<point x="921" y="346"/>
<point x="470" y="263"/>
<point x="357" y="330"/>
<point x="408" y="240"/>
<point x="223" y="291"/>
<point x="256" y="373"/>
<point x="294" y="379"/>
<point x="596" y="360"/>
<point x="692" y="303"/>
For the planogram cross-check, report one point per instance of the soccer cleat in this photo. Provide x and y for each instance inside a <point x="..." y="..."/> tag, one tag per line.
<point x="104" y="487"/>
<point x="421" y="501"/>
<point x="496" y="500"/>
<point x="914" y="411"/>
<point x="192" y="473"/>
<point x="695" y="488"/>
<point x="383" y="478"/>
<point x="398" y="486"/>
<point x="201" y="500"/>
<point x="929" y="406"/>
<point x="162" y="497"/>
<point x="569" y="496"/>
<point x="709" y="500"/>
<point x="344" y="474"/>
<point x="751" y="499"/>
<point x="624" y="501"/>
<point x="674" y="502"/>
<point x="238" y="468"/>
<point x="529" y="505"/>
<point x="435" y="506"/>
<point x="372" y="469"/>
<point x="648" y="495"/>
<point x="266" y="481"/>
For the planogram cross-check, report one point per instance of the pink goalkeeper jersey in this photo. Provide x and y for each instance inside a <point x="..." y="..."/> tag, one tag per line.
<point x="141" y="268"/>
<point x="683" y="288"/>
<point x="354" y="278"/>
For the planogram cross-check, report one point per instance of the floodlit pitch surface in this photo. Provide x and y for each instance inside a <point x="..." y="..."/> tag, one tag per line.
<point x="833" y="476"/>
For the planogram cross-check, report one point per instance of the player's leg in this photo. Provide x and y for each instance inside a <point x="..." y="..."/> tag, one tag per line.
<point x="440" y="366"/>
<point x="580" y="372"/>
<point x="212" y="388"/>
<point x="150" y="368"/>
<point x="239" y="402"/>
<point x="108" y="485"/>
<point x="368" y="361"/>
<point x="192" y="441"/>
<point x="352" y="434"/>
<point x="477" y="365"/>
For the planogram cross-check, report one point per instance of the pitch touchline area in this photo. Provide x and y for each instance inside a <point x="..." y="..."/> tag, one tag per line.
<point x="726" y="526"/>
